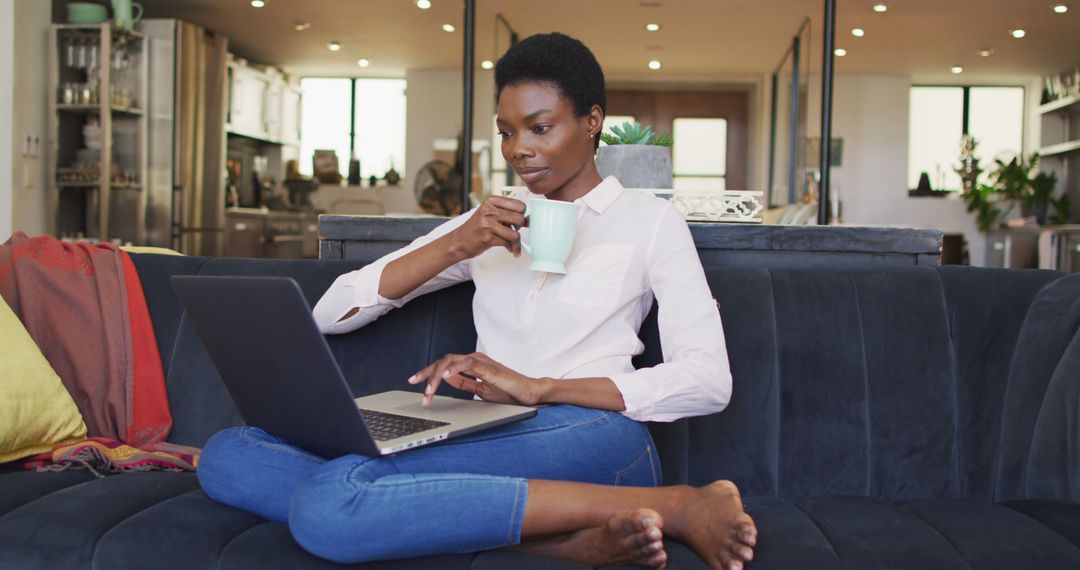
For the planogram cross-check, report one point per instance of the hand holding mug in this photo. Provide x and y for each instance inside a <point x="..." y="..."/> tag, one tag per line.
<point x="493" y="224"/>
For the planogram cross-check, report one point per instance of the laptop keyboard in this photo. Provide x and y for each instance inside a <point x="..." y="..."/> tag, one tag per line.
<point x="384" y="426"/>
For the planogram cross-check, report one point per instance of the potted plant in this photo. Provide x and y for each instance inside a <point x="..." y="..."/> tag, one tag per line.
<point x="1011" y="183"/>
<point x="636" y="155"/>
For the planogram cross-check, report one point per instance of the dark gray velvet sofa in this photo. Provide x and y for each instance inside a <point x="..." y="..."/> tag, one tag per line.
<point x="883" y="417"/>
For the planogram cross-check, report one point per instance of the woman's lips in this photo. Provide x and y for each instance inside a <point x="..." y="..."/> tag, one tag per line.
<point x="530" y="175"/>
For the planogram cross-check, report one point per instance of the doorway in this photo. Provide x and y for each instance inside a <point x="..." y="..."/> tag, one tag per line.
<point x="711" y="125"/>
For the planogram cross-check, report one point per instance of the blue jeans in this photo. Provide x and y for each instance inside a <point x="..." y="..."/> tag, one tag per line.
<point x="462" y="495"/>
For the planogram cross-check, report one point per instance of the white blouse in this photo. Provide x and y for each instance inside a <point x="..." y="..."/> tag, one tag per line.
<point x="630" y="246"/>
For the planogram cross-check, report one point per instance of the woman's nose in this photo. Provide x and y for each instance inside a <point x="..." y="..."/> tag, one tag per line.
<point x="520" y="150"/>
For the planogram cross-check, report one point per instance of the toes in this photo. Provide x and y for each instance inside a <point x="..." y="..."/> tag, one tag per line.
<point x="658" y="560"/>
<point x="743" y="553"/>
<point x="636" y="521"/>
<point x="649" y="536"/>
<point x="748" y="538"/>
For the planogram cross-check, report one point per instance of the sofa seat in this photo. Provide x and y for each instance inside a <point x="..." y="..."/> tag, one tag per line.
<point x="164" y="520"/>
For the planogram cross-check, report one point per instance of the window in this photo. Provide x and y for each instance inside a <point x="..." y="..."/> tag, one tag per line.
<point x="380" y="126"/>
<point x="325" y="126"/>
<point x="699" y="155"/>
<point x="940" y="116"/>
<point x="361" y="117"/>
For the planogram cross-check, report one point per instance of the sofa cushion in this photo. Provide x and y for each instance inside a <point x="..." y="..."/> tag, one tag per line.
<point x="163" y="520"/>
<point x="843" y="385"/>
<point x="1039" y="457"/>
<point x="986" y="310"/>
<point x="62" y="529"/>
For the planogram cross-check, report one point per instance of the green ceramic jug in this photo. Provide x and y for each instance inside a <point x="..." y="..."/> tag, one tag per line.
<point x="122" y="13"/>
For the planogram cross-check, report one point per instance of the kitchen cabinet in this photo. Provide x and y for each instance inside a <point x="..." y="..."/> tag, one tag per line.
<point x="248" y="101"/>
<point x="264" y="104"/>
<point x="290" y="115"/>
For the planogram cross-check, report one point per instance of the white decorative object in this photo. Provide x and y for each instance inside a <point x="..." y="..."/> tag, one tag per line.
<point x="743" y="206"/>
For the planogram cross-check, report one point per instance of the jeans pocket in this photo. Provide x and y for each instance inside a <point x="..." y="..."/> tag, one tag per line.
<point x="641" y="472"/>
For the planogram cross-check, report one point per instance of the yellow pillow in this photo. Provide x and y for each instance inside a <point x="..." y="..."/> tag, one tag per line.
<point x="36" y="411"/>
<point x="149" y="249"/>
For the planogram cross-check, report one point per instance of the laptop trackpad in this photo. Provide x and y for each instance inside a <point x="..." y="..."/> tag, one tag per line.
<point x="439" y="406"/>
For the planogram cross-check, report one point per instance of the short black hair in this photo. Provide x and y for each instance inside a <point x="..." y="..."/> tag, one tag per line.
<point x="559" y="60"/>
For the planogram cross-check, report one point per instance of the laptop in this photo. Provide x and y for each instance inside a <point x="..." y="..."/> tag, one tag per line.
<point x="281" y="374"/>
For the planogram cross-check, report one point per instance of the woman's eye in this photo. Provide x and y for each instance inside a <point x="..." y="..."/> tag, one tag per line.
<point x="541" y="129"/>
<point x="504" y="134"/>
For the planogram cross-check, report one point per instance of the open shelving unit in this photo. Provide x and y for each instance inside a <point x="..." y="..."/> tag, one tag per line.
<point x="97" y="133"/>
<point x="1060" y="148"/>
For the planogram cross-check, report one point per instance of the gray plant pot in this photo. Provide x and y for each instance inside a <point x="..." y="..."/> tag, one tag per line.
<point x="636" y="165"/>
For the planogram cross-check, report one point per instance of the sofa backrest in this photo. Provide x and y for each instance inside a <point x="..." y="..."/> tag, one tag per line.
<point x="898" y="382"/>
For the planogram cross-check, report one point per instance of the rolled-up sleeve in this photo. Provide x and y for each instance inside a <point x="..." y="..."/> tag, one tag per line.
<point x="695" y="377"/>
<point x="360" y="289"/>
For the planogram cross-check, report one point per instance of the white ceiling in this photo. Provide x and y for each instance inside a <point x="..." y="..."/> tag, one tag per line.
<point x="701" y="39"/>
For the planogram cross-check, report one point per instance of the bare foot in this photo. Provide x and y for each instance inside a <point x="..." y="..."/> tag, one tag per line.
<point x="628" y="538"/>
<point x="715" y="525"/>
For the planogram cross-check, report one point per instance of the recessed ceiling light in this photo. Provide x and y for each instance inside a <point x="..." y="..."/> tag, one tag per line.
<point x="363" y="62"/>
<point x="1061" y="8"/>
<point x="448" y="27"/>
<point x="423" y="4"/>
<point x="258" y="3"/>
<point x="652" y="27"/>
<point x="1017" y="33"/>
<point x="879" y="8"/>
<point x="486" y="64"/>
<point x="654" y="64"/>
<point x="986" y="52"/>
<point x="840" y="52"/>
<point x="858" y="32"/>
<point x="300" y="25"/>
<point x="334" y="46"/>
<point x="957" y="69"/>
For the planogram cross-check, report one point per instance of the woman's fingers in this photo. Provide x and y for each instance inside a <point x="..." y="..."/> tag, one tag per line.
<point x="433" y="375"/>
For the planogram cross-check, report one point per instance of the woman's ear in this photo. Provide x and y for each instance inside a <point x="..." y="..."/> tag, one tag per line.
<point x="595" y="120"/>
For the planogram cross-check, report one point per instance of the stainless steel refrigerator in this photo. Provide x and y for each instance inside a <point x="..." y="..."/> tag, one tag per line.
<point x="185" y="207"/>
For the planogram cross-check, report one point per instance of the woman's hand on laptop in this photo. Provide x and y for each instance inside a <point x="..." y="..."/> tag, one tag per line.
<point x="478" y="374"/>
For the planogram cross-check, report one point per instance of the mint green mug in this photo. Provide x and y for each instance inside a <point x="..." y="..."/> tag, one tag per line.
<point x="552" y="225"/>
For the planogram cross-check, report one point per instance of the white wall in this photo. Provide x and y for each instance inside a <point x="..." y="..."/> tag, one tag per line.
<point x="870" y="112"/>
<point x="7" y="70"/>
<point x="434" y="111"/>
<point x="30" y="84"/>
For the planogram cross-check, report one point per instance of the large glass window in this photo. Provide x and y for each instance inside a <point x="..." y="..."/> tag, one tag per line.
<point x="940" y="116"/>
<point x="377" y="133"/>
<point x="380" y="126"/>
<point x="326" y="121"/>
<point x="699" y="155"/>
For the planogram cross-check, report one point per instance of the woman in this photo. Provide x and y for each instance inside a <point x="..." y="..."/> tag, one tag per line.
<point x="564" y="340"/>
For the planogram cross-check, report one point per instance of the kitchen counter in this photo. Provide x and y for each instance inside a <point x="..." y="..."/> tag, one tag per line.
<point x="260" y="232"/>
<point x="367" y="238"/>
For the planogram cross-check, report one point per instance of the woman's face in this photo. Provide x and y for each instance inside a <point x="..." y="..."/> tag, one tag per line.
<point x="549" y="148"/>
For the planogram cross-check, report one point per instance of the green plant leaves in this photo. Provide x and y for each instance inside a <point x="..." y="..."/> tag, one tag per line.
<point x="635" y="133"/>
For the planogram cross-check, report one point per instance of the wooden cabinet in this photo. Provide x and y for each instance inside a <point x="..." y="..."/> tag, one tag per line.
<point x="97" y="133"/>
